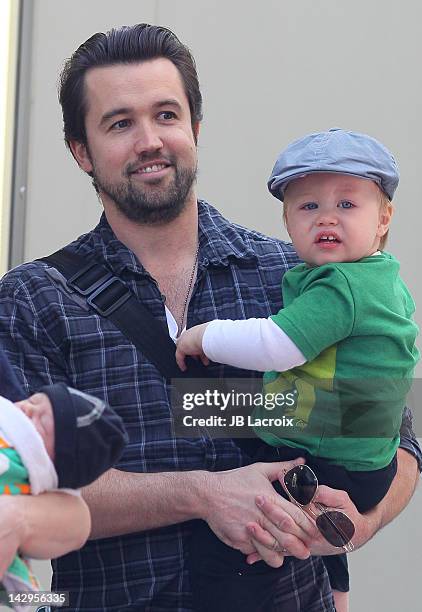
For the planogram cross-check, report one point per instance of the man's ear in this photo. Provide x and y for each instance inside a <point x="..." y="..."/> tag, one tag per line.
<point x="80" y="153"/>
<point x="386" y="214"/>
<point x="195" y="129"/>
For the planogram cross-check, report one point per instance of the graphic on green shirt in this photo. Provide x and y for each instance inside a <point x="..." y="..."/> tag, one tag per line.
<point x="302" y="382"/>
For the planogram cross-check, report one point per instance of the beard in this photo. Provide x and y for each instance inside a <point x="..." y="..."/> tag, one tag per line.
<point x="146" y="205"/>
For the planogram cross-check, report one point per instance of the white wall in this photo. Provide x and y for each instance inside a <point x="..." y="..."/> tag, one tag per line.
<point x="270" y="72"/>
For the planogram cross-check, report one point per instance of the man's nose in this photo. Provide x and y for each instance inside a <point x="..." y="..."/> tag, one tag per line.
<point x="147" y="140"/>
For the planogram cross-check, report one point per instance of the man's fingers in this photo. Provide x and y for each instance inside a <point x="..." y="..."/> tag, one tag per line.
<point x="264" y="538"/>
<point x="288" y="524"/>
<point x="286" y="541"/>
<point x="272" y="470"/>
<point x="253" y="557"/>
<point x="332" y="497"/>
<point x="285" y="516"/>
<point x="266" y="545"/>
<point x="279" y="538"/>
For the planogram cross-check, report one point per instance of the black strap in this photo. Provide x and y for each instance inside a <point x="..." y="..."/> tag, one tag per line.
<point x="110" y="298"/>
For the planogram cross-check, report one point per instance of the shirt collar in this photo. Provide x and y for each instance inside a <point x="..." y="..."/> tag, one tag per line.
<point x="219" y="240"/>
<point x="106" y="246"/>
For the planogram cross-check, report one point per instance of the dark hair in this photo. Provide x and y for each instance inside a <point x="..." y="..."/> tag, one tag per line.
<point x="124" y="45"/>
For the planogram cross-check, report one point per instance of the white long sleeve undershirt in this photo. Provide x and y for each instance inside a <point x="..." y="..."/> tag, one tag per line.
<point x="253" y="344"/>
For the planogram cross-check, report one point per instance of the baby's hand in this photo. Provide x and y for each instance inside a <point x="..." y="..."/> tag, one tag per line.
<point x="190" y="343"/>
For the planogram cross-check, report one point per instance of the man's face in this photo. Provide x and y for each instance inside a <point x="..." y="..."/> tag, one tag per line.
<point x="141" y="148"/>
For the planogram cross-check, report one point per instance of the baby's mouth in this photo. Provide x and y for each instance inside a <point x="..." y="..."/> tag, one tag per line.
<point x="327" y="238"/>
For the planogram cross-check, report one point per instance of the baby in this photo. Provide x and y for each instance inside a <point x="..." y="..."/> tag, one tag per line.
<point x="344" y="343"/>
<point x="57" y="438"/>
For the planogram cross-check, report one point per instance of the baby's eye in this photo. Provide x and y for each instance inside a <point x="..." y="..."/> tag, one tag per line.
<point x="310" y="206"/>
<point x="346" y="204"/>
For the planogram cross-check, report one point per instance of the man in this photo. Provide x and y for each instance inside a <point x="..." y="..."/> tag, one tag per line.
<point x="132" y="111"/>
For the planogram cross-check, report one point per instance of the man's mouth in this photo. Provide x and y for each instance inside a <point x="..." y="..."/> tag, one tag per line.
<point x="149" y="168"/>
<point x="153" y="168"/>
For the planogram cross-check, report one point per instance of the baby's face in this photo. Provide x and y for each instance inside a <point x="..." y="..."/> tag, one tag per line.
<point x="38" y="408"/>
<point x="335" y="217"/>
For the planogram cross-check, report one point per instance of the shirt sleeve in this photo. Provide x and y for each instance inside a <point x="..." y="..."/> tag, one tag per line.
<point x="253" y="344"/>
<point x="35" y="358"/>
<point x="9" y="386"/>
<point x="322" y="314"/>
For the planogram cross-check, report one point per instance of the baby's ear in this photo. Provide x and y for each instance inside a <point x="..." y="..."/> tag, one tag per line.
<point x="386" y="214"/>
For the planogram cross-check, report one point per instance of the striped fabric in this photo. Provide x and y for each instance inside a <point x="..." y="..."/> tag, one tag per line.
<point x="9" y="386"/>
<point x="50" y="335"/>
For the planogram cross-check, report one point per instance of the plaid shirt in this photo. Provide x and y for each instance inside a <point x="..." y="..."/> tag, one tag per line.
<point x="9" y="386"/>
<point x="51" y="335"/>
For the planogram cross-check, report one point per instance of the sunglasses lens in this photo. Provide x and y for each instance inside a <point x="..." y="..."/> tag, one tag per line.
<point x="301" y="483"/>
<point x="336" y="527"/>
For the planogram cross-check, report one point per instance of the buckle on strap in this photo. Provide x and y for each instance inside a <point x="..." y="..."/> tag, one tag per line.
<point x="87" y="280"/>
<point x="109" y="297"/>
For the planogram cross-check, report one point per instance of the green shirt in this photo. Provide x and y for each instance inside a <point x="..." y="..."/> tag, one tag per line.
<point x="353" y="323"/>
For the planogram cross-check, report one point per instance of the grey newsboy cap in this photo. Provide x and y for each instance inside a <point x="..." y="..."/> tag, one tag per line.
<point x="335" y="151"/>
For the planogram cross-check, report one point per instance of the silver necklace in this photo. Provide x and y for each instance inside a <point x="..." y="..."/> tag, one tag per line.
<point x="192" y="276"/>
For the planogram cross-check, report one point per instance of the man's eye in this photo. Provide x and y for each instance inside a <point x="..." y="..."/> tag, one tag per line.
<point x="310" y="206"/>
<point x="167" y="115"/>
<point x="346" y="204"/>
<point x="121" y="124"/>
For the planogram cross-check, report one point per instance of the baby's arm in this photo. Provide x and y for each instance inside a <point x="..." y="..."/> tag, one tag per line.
<point x="253" y="344"/>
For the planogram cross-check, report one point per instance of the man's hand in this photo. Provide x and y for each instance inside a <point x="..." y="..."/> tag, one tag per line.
<point x="230" y="506"/>
<point x="12" y="528"/>
<point x="190" y="343"/>
<point x="366" y="525"/>
<point x="317" y="545"/>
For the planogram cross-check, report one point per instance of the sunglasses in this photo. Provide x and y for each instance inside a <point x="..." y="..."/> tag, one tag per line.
<point x="301" y="485"/>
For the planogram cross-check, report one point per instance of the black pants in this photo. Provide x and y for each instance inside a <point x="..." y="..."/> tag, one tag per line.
<point x="221" y="579"/>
